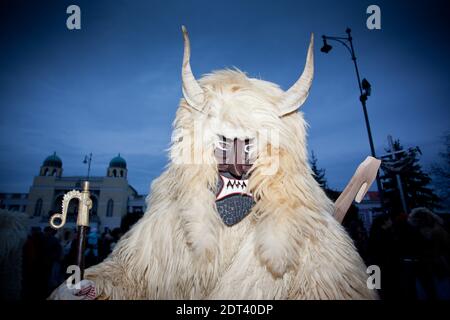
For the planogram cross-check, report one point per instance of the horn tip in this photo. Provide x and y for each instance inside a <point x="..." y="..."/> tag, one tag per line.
<point x="183" y="28"/>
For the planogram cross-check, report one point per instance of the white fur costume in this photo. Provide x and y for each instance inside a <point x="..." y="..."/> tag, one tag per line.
<point x="288" y="247"/>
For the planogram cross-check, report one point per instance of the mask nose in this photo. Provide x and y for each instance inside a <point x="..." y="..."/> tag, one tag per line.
<point x="237" y="170"/>
<point x="237" y="167"/>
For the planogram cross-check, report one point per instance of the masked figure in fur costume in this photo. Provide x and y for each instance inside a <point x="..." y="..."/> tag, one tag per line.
<point x="237" y="214"/>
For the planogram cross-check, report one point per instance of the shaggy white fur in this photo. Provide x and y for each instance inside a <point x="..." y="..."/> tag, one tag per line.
<point x="288" y="247"/>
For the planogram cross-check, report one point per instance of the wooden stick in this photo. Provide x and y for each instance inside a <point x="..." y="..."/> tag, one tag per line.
<point x="358" y="186"/>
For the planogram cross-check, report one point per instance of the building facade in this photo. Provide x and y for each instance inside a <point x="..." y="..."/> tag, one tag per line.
<point x="369" y="208"/>
<point x="112" y="196"/>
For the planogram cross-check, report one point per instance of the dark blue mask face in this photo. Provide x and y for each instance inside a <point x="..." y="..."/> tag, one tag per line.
<point x="233" y="202"/>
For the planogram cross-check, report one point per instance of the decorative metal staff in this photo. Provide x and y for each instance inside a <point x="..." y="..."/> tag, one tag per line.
<point x="84" y="205"/>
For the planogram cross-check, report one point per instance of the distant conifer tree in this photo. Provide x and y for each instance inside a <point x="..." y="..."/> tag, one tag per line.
<point x="414" y="180"/>
<point x="319" y="174"/>
<point x="441" y="174"/>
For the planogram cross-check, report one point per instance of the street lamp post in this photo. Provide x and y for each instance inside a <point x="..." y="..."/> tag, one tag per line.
<point x="364" y="90"/>
<point x="87" y="160"/>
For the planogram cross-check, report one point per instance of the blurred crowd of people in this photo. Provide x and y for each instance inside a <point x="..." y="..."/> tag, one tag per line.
<point x="412" y="251"/>
<point x="48" y="253"/>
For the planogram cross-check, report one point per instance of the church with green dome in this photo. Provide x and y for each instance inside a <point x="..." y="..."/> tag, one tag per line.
<point x="112" y="195"/>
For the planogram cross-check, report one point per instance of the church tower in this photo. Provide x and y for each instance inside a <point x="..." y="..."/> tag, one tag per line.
<point x="117" y="167"/>
<point x="52" y="166"/>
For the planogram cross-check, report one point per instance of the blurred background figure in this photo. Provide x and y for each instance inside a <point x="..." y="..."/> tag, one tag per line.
<point x="34" y="284"/>
<point x="356" y="230"/>
<point x="91" y="252"/>
<point x="52" y="259"/>
<point x="383" y="252"/>
<point x="104" y="248"/>
<point x="433" y="267"/>
<point x="67" y="241"/>
<point x="117" y="234"/>
<point x="13" y="234"/>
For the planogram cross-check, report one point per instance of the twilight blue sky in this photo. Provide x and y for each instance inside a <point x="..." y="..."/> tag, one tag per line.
<point x="114" y="85"/>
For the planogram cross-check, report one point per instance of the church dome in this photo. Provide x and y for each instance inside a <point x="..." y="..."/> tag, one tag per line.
<point x="52" y="161"/>
<point x="118" y="162"/>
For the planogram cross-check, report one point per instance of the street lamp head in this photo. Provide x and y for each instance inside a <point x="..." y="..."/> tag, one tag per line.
<point x="366" y="86"/>
<point x="326" y="47"/>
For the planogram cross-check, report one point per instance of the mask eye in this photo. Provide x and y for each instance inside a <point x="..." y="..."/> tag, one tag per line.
<point x="249" y="148"/>
<point x="223" y="145"/>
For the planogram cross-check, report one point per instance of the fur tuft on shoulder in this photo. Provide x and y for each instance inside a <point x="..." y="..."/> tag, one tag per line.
<point x="13" y="231"/>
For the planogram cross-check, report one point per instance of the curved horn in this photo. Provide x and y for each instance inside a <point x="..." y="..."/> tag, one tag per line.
<point x="297" y="94"/>
<point x="192" y="91"/>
